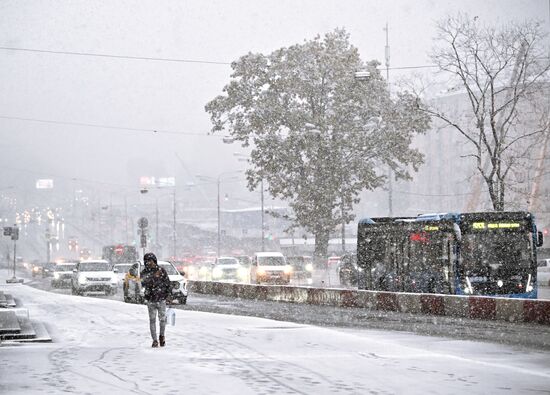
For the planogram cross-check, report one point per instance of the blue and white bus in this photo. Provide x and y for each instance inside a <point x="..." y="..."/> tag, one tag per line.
<point x="488" y="253"/>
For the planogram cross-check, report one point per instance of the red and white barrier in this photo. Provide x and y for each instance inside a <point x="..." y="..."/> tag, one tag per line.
<point x="475" y="307"/>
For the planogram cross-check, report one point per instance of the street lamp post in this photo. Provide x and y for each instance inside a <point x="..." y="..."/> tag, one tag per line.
<point x="219" y="218"/>
<point x="218" y="180"/>
<point x="245" y="159"/>
<point x="174" y="233"/>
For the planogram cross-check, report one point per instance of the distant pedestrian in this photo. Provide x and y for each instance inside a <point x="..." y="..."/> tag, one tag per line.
<point x="156" y="284"/>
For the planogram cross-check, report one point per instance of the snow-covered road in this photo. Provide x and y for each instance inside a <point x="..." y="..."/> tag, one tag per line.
<point x="103" y="346"/>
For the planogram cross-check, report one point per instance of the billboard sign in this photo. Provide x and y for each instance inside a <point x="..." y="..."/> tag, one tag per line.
<point x="146" y="181"/>
<point x="166" y="182"/>
<point x="44" y="183"/>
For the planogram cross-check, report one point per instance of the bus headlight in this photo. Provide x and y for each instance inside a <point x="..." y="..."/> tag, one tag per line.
<point x="529" y="287"/>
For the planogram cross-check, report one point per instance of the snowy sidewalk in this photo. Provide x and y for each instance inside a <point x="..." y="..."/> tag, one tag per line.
<point x="103" y="346"/>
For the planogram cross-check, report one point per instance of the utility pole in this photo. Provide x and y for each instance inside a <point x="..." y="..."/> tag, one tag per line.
<point x="390" y="173"/>
<point x="174" y="227"/>
<point x="126" y="218"/>
<point x="157" y="236"/>
<point x="263" y="224"/>
<point x="48" y="242"/>
<point x="219" y="221"/>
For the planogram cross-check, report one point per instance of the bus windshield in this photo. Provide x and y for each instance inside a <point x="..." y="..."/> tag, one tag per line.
<point x="486" y="251"/>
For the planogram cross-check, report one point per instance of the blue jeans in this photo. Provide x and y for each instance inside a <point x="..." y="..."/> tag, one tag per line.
<point x="153" y="308"/>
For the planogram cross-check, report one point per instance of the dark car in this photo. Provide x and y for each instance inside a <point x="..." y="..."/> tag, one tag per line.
<point x="348" y="271"/>
<point x="62" y="275"/>
<point x="43" y="269"/>
<point x="302" y="267"/>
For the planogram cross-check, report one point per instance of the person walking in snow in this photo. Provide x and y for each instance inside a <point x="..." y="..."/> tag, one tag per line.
<point x="156" y="284"/>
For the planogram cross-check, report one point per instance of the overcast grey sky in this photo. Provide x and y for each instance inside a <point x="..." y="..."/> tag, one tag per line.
<point x="159" y="95"/>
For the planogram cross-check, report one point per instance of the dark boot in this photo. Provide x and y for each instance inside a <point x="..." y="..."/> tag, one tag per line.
<point x="155" y="343"/>
<point x="162" y="341"/>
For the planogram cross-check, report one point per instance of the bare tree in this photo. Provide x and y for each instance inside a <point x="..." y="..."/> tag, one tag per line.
<point x="503" y="72"/>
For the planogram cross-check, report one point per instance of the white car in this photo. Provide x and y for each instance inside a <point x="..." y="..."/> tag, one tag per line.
<point x="94" y="276"/>
<point x="121" y="269"/>
<point x="134" y="292"/>
<point x="270" y="267"/>
<point x="543" y="272"/>
<point x="229" y="268"/>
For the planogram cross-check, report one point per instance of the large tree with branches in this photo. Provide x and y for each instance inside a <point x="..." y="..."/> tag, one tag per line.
<point x="502" y="72"/>
<point x="318" y="136"/>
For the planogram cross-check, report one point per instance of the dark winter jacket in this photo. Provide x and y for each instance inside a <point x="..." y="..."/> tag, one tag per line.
<point x="156" y="284"/>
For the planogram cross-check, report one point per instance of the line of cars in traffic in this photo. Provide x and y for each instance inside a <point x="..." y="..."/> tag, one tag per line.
<point x="262" y="267"/>
<point x="98" y="276"/>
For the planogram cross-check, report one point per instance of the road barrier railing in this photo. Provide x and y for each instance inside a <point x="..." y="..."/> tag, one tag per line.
<point x="474" y="307"/>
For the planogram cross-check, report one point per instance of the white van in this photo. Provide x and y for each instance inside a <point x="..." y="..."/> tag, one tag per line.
<point x="270" y="267"/>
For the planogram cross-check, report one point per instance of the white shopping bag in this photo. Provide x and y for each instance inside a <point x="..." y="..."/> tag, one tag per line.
<point x="171" y="316"/>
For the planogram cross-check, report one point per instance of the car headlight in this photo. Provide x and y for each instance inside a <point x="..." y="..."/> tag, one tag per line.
<point x="56" y="275"/>
<point x="500" y="283"/>
<point x="203" y="270"/>
<point x="309" y="267"/>
<point x="35" y="269"/>
<point x="82" y="279"/>
<point x="260" y="272"/>
<point x="183" y="285"/>
<point x="217" y="272"/>
<point x="114" y="279"/>
<point x="288" y="269"/>
<point x="242" y="272"/>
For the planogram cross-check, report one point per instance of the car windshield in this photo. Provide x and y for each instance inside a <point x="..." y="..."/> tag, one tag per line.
<point x="65" y="267"/>
<point x="296" y="261"/>
<point x="123" y="268"/>
<point x="271" y="260"/>
<point x="227" y="261"/>
<point x="244" y="260"/>
<point x="94" y="267"/>
<point x="170" y="269"/>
